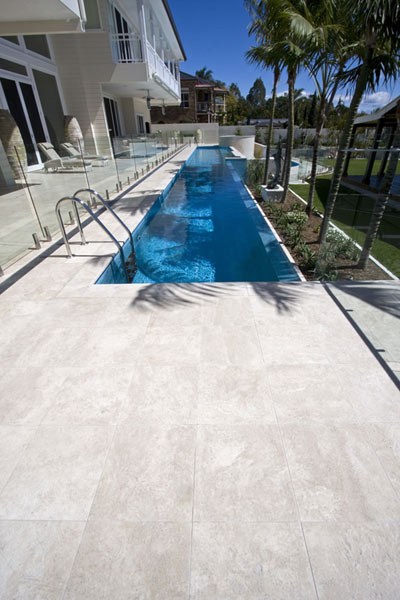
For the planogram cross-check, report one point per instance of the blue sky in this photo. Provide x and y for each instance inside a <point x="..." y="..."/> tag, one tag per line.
<point x="214" y="34"/>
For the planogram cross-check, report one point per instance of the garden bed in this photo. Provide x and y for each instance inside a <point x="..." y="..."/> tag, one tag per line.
<point x="336" y="260"/>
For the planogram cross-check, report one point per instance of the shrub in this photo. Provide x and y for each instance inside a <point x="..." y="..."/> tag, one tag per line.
<point x="258" y="138"/>
<point x="238" y="131"/>
<point x="308" y="256"/>
<point x="342" y="247"/>
<point x="325" y="267"/>
<point x="255" y="172"/>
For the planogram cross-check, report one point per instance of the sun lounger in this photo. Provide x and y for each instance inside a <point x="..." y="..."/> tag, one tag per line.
<point x="74" y="153"/>
<point x="56" y="162"/>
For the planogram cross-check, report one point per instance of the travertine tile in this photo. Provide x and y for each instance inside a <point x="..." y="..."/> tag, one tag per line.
<point x="163" y="345"/>
<point x="88" y="395"/>
<point x="385" y="440"/>
<point x="241" y="474"/>
<point x="149" y="561"/>
<point x="360" y="561"/>
<point x="163" y="394"/>
<point x="233" y="394"/>
<point x="336" y="474"/>
<point x="57" y="475"/>
<point x="250" y="560"/>
<point x="231" y="346"/>
<point x="316" y="393"/>
<point x="148" y="475"/>
<point x="26" y="393"/>
<point x="36" y="558"/>
<point x="13" y="441"/>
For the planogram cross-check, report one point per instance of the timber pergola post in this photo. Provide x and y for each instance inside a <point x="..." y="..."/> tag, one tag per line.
<point x="372" y="155"/>
<point x="384" y="160"/>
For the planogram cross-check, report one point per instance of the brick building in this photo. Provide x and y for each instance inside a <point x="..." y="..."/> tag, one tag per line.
<point x="202" y="102"/>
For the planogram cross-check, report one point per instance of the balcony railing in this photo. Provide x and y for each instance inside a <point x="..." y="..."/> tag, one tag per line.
<point x="159" y="70"/>
<point x="126" y="47"/>
<point x="203" y="107"/>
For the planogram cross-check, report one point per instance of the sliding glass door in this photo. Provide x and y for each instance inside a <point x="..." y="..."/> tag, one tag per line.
<point x="21" y="103"/>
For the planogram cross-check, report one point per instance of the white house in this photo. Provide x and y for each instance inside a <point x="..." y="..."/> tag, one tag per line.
<point x="103" y="62"/>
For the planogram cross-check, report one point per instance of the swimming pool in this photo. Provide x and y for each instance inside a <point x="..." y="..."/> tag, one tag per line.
<point x="204" y="227"/>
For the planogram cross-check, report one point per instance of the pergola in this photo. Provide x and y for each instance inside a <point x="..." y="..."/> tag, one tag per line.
<point x="380" y="120"/>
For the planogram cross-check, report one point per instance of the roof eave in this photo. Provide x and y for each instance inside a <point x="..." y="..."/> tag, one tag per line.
<point x="174" y="27"/>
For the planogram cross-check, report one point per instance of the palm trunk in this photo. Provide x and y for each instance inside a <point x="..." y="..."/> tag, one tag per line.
<point x="317" y="142"/>
<point x="382" y="199"/>
<point x="345" y="139"/>
<point x="271" y="124"/>
<point x="290" y="134"/>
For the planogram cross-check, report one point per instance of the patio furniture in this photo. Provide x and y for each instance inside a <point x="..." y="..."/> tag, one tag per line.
<point x="98" y="160"/>
<point x="56" y="162"/>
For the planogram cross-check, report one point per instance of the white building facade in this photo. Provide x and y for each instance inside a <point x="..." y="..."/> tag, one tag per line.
<point x="103" y="62"/>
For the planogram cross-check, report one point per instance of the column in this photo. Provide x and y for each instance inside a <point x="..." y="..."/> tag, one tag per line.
<point x="382" y="168"/>
<point x="378" y="132"/>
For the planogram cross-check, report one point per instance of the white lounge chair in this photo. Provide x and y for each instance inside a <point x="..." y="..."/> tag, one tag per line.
<point x="74" y="153"/>
<point x="55" y="161"/>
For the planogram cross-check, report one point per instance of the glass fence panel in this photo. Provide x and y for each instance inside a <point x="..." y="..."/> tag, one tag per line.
<point x="18" y="215"/>
<point x="353" y="212"/>
<point x="28" y="197"/>
<point x="103" y="174"/>
<point x="59" y="177"/>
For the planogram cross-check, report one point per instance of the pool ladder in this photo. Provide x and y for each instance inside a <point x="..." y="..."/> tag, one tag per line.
<point x="128" y="265"/>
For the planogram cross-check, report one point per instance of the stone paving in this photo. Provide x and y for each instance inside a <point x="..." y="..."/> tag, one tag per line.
<point x="203" y="441"/>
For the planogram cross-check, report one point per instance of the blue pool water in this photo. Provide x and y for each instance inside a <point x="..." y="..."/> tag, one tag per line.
<point x="205" y="227"/>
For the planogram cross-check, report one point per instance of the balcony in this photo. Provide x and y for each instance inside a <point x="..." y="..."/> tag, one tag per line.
<point x="130" y="49"/>
<point x="203" y="107"/>
<point x="22" y="17"/>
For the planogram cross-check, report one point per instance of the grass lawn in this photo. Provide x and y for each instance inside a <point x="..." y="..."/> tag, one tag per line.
<point x="353" y="210"/>
<point x="357" y="166"/>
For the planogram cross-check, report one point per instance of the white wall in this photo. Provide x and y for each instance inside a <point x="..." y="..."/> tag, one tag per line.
<point x="243" y="143"/>
<point x="209" y="134"/>
<point x="232" y="129"/>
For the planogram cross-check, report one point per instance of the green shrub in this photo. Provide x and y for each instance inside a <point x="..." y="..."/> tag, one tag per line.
<point x="325" y="267"/>
<point x="308" y="256"/>
<point x="341" y="246"/>
<point x="238" y="131"/>
<point x="255" y="172"/>
<point x="258" y="138"/>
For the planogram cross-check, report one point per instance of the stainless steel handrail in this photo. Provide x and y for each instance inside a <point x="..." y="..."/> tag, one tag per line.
<point x="111" y="210"/>
<point x="76" y="201"/>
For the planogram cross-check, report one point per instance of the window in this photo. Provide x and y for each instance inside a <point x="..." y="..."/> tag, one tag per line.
<point x="38" y="44"/>
<point x="140" y="123"/>
<point x="51" y="104"/>
<point x="92" y="14"/>
<point x="10" y="38"/>
<point x="8" y="65"/>
<point x="112" y="115"/>
<point x="185" y="98"/>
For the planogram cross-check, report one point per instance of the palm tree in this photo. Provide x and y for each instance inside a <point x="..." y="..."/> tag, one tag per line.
<point x="205" y="73"/>
<point x="278" y="47"/>
<point x="265" y="31"/>
<point x="383" y="197"/>
<point x="377" y="23"/>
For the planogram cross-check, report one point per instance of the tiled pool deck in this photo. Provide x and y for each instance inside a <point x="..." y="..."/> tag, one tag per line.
<point x="209" y="441"/>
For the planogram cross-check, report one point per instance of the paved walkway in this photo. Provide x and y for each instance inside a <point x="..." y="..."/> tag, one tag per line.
<point x="204" y="441"/>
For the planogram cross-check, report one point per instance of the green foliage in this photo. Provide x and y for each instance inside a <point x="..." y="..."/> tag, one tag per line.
<point x="238" y="131"/>
<point x="343" y="247"/>
<point x="255" y="172"/>
<point x="308" y="256"/>
<point x="258" y="138"/>
<point x="257" y="190"/>
<point x="325" y="267"/>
